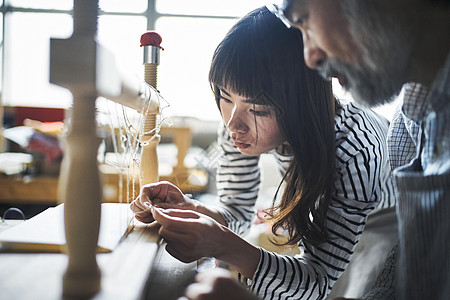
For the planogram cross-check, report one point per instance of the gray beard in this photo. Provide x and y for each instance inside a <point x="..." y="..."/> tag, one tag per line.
<point x="366" y="86"/>
<point x="385" y="50"/>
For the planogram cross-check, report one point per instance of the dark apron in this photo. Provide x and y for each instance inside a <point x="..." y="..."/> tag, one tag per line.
<point x="424" y="230"/>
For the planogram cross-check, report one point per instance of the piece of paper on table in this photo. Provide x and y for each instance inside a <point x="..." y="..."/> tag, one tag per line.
<point x="45" y="231"/>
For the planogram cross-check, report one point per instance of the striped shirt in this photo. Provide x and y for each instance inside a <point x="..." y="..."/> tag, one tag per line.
<point x="363" y="182"/>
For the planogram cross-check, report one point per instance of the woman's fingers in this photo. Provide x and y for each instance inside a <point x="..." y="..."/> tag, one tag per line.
<point x="140" y="203"/>
<point x="148" y="218"/>
<point x="141" y="209"/>
<point x="166" y="205"/>
<point x="189" y="235"/>
<point x="155" y="193"/>
<point x="167" y="217"/>
<point x="177" y="232"/>
<point x="160" y="189"/>
<point x="162" y="192"/>
<point x="181" y="253"/>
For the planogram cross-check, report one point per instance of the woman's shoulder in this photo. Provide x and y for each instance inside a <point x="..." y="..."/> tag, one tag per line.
<point x="357" y="128"/>
<point x="359" y="113"/>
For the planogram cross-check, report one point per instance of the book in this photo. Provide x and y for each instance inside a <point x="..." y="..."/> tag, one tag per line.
<point x="45" y="231"/>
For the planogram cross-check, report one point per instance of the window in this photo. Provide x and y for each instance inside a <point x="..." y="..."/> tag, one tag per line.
<point x="26" y="52"/>
<point x="190" y="30"/>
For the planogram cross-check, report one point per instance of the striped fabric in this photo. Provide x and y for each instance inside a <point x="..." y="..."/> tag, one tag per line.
<point x="403" y="140"/>
<point x="422" y="264"/>
<point x="363" y="183"/>
<point x="424" y="203"/>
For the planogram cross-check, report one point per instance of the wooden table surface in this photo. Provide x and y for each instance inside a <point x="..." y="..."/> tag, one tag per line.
<point x="168" y="277"/>
<point x="139" y="268"/>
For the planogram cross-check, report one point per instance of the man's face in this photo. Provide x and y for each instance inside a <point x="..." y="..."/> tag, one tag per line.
<point x="348" y="39"/>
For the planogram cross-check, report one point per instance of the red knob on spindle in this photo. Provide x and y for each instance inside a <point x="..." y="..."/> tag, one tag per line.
<point x="151" y="38"/>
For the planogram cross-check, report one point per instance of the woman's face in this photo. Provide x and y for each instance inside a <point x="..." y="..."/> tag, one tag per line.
<point x="253" y="127"/>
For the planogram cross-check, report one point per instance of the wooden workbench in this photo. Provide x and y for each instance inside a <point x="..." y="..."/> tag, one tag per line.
<point x="139" y="268"/>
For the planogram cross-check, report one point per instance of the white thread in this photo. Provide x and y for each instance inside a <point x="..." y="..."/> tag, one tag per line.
<point x="128" y="136"/>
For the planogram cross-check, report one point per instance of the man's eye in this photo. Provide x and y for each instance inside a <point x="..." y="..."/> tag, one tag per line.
<point x="299" y="20"/>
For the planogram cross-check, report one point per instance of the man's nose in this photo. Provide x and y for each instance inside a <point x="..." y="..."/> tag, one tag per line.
<point x="314" y="55"/>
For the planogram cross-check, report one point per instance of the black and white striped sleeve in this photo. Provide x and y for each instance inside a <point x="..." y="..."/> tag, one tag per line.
<point x="361" y="171"/>
<point x="311" y="274"/>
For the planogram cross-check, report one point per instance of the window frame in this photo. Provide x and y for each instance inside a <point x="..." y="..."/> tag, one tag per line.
<point x="151" y="15"/>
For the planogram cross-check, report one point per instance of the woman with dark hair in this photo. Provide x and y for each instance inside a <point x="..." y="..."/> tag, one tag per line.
<point x="332" y="156"/>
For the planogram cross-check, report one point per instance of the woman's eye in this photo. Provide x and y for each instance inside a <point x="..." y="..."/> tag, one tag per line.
<point x="260" y="112"/>
<point x="225" y="99"/>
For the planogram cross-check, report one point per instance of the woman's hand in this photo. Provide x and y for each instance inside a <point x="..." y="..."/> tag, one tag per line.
<point x="217" y="284"/>
<point x="190" y="235"/>
<point x="161" y="194"/>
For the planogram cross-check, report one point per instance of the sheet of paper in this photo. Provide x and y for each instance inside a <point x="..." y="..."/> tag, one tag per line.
<point x="45" y="231"/>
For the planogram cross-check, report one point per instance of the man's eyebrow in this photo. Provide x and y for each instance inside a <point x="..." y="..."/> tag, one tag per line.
<point x="298" y="2"/>
<point x="294" y="5"/>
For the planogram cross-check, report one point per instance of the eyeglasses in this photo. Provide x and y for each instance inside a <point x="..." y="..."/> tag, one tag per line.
<point x="278" y="12"/>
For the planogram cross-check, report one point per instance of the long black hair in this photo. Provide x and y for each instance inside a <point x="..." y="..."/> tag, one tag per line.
<point x="260" y="58"/>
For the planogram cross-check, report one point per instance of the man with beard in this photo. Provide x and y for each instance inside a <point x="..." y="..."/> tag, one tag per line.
<point x="374" y="47"/>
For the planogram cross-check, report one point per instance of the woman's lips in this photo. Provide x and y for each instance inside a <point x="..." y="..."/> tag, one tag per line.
<point x="241" y="145"/>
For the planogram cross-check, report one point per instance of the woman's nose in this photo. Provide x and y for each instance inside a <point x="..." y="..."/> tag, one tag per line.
<point x="236" y="123"/>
